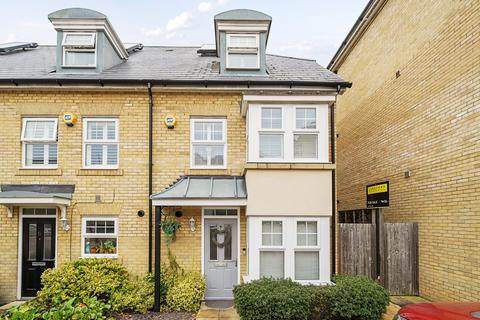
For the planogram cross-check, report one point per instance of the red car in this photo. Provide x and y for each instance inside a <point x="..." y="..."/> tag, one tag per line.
<point x="440" y="311"/>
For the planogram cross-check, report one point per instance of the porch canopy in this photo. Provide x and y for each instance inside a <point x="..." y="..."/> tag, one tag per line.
<point x="36" y="194"/>
<point x="204" y="191"/>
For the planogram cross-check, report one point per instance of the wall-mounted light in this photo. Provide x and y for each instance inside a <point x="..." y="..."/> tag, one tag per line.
<point x="191" y="223"/>
<point x="63" y="218"/>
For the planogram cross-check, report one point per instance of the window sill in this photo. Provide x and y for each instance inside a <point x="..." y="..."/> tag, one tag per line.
<point x="39" y="172"/>
<point x="290" y="166"/>
<point x="99" y="256"/>
<point x="208" y="171"/>
<point x="100" y="172"/>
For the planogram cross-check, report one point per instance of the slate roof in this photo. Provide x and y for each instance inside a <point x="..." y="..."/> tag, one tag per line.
<point x="37" y="191"/>
<point x="205" y="187"/>
<point x="160" y="63"/>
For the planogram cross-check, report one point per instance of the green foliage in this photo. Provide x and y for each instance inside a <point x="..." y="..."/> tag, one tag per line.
<point x="268" y="299"/>
<point x="186" y="293"/>
<point x="84" y="278"/>
<point x="73" y="308"/>
<point x="135" y="295"/>
<point x="170" y="226"/>
<point x="104" y="279"/>
<point x="358" y="297"/>
<point x="351" y="298"/>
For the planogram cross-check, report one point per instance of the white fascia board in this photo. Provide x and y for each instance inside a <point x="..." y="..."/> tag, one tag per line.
<point x="23" y="201"/>
<point x="247" y="99"/>
<point x="92" y="25"/>
<point x="200" y="202"/>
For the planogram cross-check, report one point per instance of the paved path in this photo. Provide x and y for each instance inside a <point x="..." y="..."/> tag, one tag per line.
<point x="207" y="313"/>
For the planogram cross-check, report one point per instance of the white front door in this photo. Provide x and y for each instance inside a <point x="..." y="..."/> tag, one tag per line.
<point x="220" y="257"/>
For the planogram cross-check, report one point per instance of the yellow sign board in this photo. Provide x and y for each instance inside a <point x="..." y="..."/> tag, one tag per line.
<point x="379" y="188"/>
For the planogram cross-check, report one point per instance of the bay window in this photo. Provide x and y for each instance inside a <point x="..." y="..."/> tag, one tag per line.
<point x="290" y="247"/>
<point x="100" y="143"/>
<point x="288" y="133"/>
<point x="208" y="143"/>
<point x="39" y="140"/>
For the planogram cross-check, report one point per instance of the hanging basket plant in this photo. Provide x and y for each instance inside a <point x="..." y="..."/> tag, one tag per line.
<point x="170" y="227"/>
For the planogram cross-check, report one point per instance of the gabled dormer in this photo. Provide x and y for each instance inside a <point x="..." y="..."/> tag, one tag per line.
<point x="86" y="41"/>
<point x="241" y="38"/>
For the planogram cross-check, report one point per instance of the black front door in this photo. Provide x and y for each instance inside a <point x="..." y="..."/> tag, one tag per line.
<point x="38" y="252"/>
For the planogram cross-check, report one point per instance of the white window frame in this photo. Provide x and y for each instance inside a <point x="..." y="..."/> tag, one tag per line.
<point x="307" y="248"/>
<point x="25" y="142"/>
<point x="96" y="235"/>
<point x="92" y="47"/>
<point x="194" y="142"/>
<point x="289" y="130"/>
<point x="272" y="131"/>
<point x="102" y="142"/>
<point x="272" y="248"/>
<point x="290" y="246"/>
<point x="242" y="50"/>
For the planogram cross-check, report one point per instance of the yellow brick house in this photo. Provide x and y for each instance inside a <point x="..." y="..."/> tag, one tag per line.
<point x="232" y="142"/>
<point x="412" y="118"/>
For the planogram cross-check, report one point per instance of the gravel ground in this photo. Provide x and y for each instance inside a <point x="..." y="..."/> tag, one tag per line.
<point x="157" y="316"/>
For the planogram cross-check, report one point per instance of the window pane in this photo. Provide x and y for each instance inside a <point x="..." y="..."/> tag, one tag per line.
<point x="94" y="154"/>
<point x="52" y="153"/>
<point x="40" y="129"/>
<point x="200" y="154"/>
<point x="213" y="246"/>
<point x="79" y="58"/>
<point x="79" y="39"/>
<point x="47" y="241"/>
<point x="100" y="246"/>
<point x="305" y="146"/>
<point x="307" y="265"/>
<point x="232" y="212"/>
<point x="272" y="264"/>
<point x="306" y="118"/>
<point x="35" y="154"/>
<point x="301" y="239"/>
<point x="243" y="41"/>
<point x="271" y="118"/>
<point x="271" y="146"/>
<point x="311" y="226"/>
<point x="242" y="60"/>
<point x="112" y="154"/>
<point x="32" y="241"/>
<point x="277" y="226"/>
<point x="208" y="131"/>
<point x="217" y="155"/>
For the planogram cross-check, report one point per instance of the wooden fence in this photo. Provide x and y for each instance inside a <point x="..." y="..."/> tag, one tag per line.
<point x="396" y="262"/>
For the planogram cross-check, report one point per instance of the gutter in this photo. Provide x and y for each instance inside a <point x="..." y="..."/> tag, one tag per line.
<point x="164" y="83"/>
<point x="368" y="14"/>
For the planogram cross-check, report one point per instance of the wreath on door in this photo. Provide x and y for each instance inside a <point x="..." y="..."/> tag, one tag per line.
<point x="226" y="231"/>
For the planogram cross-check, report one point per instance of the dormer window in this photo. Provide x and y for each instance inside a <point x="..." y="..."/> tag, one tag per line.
<point x="79" y="50"/>
<point x="243" y="51"/>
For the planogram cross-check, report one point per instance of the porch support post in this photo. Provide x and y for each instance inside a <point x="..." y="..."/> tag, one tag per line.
<point x="158" y="215"/>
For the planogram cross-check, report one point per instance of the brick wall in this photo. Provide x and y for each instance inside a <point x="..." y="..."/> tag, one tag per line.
<point x="123" y="191"/>
<point x="428" y="121"/>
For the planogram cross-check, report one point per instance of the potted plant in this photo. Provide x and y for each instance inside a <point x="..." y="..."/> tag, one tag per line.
<point x="170" y="226"/>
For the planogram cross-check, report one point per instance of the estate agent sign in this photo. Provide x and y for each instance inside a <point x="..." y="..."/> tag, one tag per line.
<point x="378" y="195"/>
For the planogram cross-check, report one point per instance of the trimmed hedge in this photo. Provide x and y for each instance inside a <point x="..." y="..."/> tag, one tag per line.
<point x="268" y="299"/>
<point x="351" y="298"/>
<point x="358" y="298"/>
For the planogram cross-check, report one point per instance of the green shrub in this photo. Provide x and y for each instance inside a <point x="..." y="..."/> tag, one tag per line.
<point x="104" y="279"/>
<point x="358" y="297"/>
<point x="55" y="310"/>
<point x="268" y="299"/>
<point x="84" y="278"/>
<point x="135" y="295"/>
<point x="185" y="292"/>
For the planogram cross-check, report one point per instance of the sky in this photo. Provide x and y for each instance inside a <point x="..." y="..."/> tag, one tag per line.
<point x="312" y="29"/>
